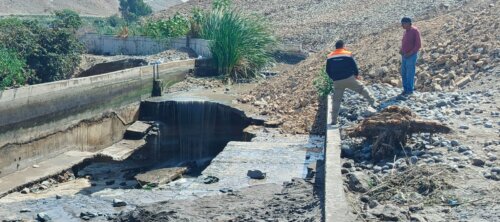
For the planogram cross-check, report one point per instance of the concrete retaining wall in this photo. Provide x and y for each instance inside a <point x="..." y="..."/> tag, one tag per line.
<point x="30" y="116"/>
<point x="336" y="208"/>
<point x="140" y="45"/>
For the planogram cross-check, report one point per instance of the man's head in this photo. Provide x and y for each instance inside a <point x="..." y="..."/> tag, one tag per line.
<point x="406" y="22"/>
<point x="339" y="44"/>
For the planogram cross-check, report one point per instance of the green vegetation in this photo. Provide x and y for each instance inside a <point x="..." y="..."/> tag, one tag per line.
<point x="133" y="9"/>
<point x="50" y="54"/>
<point x="67" y="19"/>
<point x="115" y="21"/>
<point x="240" y="44"/>
<point x="176" y="26"/>
<point x="50" y="51"/>
<point x="323" y="84"/>
<point x="219" y="5"/>
<point x="12" y="69"/>
<point x="196" y="22"/>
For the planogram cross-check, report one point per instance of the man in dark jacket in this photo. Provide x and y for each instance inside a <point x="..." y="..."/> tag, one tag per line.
<point x="342" y="69"/>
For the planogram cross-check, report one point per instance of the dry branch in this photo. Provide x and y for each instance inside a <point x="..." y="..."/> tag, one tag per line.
<point x="391" y="128"/>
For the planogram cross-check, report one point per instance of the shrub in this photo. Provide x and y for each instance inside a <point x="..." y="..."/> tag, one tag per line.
<point x="176" y="26"/>
<point x="53" y="54"/>
<point x="115" y="21"/>
<point x="12" y="69"/>
<point x="323" y="84"/>
<point x="240" y="45"/>
<point x="133" y="9"/>
<point x="219" y="5"/>
<point x="67" y="19"/>
<point x="195" y="22"/>
<point x="59" y="55"/>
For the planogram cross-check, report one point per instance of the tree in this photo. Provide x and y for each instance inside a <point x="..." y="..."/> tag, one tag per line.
<point x="12" y="69"/>
<point x="133" y="9"/>
<point x="53" y="54"/>
<point x="67" y="19"/>
<point x="59" y="55"/>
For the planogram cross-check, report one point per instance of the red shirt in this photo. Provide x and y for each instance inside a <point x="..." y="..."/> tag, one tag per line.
<point x="411" y="41"/>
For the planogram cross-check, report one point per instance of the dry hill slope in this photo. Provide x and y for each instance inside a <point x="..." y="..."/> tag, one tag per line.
<point x="474" y="32"/>
<point x="316" y="23"/>
<point x="44" y="7"/>
<point x="101" y="8"/>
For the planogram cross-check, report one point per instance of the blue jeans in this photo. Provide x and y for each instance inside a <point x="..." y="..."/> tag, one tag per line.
<point x="408" y="73"/>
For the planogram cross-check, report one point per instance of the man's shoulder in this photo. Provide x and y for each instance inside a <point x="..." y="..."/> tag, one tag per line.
<point x="415" y="29"/>
<point x="343" y="53"/>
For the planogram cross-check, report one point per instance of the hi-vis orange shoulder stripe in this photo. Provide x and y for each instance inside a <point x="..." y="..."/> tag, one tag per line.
<point x="339" y="53"/>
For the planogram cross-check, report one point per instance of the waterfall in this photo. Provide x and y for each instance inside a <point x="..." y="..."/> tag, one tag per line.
<point x="193" y="130"/>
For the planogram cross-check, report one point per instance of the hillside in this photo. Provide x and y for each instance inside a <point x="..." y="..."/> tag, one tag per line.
<point x="315" y="24"/>
<point x="44" y="7"/>
<point x="437" y="70"/>
<point x="100" y="8"/>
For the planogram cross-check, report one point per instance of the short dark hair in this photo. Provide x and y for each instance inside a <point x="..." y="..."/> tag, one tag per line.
<point x="339" y="44"/>
<point x="406" y="20"/>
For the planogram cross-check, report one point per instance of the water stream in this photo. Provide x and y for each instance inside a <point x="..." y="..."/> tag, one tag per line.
<point x="193" y="130"/>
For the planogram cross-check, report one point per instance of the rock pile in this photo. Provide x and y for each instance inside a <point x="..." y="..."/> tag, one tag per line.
<point x="430" y="169"/>
<point x="456" y="49"/>
<point x="450" y="59"/>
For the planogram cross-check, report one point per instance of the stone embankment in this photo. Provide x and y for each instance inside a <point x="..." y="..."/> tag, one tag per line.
<point x="434" y="177"/>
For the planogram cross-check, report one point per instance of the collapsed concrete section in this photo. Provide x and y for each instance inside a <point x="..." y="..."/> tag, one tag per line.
<point x="190" y="152"/>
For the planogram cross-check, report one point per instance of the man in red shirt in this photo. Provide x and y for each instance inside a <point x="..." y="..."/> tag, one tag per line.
<point x="409" y="51"/>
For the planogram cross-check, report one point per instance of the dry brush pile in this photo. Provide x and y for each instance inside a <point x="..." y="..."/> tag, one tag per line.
<point x="391" y="128"/>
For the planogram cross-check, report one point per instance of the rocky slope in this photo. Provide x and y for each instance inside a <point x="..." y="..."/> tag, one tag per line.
<point x="315" y="24"/>
<point x="435" y="177"/>
<point x="450" y="54"/>
<point x="456" y="48"/>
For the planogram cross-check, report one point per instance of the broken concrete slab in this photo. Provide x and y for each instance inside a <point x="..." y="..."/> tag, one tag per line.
<point x="137" y="130"/>
<point x="160" y="176"/>
<point x="123" y="149"/>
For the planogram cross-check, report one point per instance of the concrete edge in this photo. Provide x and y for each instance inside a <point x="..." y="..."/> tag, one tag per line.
<point x="54" y="166"/>
<point x="336" y="208"/>
<point x="73" y="158"/>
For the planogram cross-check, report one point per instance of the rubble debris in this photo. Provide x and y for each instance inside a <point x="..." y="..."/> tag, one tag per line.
<point x="390" y="129"/>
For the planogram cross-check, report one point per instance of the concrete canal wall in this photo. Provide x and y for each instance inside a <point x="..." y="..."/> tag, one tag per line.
<point x="86" y="114"/>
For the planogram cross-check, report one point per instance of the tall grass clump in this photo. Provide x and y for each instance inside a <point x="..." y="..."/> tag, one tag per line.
<point x="240" y="44"/>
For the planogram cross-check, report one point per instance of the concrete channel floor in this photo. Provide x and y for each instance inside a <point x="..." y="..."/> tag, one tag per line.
<point x="281" y="157"/>
<point x="44" y="169"/>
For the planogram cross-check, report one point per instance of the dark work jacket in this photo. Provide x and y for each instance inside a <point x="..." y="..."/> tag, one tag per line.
<point x="341" y="65"/>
